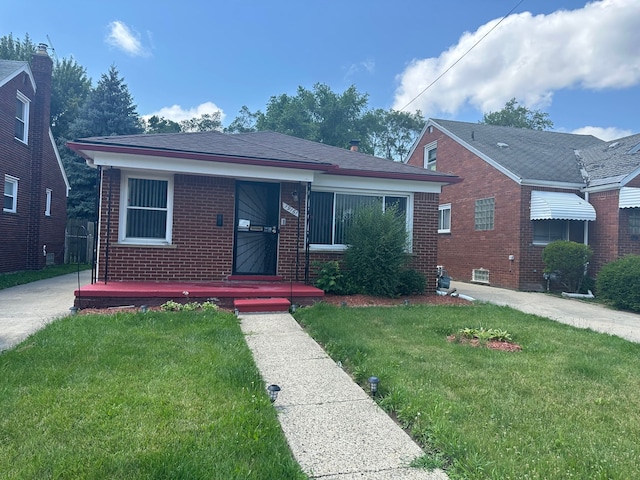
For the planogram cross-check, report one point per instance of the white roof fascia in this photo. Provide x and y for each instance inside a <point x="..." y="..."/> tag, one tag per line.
<point x="560" y="206"/>
<point x="329" y="182"/>
<point x="60" y="164"/>
<point x="198" y="167"/>
<point x="484" y="157"/>
<point x="551" y="184"/>
<point x="629" y="197"/>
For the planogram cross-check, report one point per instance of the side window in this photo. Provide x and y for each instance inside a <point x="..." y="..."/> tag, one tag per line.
<point x="430" y="153"/>
<point x="444" y="219"/>
<point x="10" y="204"/>
<point x="634" y="221"/>
<point x="484" y="214"/>
<point x="22" y="118"/>
<point x="47" y="208"/>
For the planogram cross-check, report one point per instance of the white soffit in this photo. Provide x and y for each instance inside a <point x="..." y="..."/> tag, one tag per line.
<point x="560" y="206"/>
<point x="629" y="197"/>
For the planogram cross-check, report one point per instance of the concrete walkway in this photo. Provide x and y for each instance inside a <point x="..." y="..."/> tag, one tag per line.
<point x="335" y="430"/>
<point x="27" y="308"/>
<point x="578" y="313"/>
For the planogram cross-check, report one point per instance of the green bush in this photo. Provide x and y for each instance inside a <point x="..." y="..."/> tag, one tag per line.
<point x="331" y="279"/>
<point x="412" y="282"/>
<point x="568" y="260"/>
<point x="376" y="256"/>
<point x="619" y="283"/>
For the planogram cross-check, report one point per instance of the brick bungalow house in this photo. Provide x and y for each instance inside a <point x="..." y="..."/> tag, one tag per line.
<point x="203" y="207"/>
<point x="523" y="189"/>
<point x="34" y="213"/>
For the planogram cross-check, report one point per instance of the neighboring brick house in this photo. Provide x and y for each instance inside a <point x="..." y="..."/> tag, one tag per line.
<point x="523" y="189"/>
<point x="202" y="207"/>
<point x="34" y="214"/>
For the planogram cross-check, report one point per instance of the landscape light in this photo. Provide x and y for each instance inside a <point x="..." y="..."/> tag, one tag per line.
<point x="273" y="392"/>
<point x="373" y="384"/>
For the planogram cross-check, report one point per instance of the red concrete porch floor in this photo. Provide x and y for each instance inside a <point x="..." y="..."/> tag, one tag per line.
<point x="118" y="294"/>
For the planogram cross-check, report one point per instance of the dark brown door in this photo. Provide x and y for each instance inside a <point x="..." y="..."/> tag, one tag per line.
<point x="256" y="232"/>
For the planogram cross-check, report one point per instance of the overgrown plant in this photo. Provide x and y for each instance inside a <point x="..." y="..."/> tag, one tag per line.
<point x="568" y="261"/>
<point x="377" y="256"/>
<point x="619" y="283"/>
<point x="331" y="279"/>
<point x="171" y="306"/>
<point x="486" y="334"/>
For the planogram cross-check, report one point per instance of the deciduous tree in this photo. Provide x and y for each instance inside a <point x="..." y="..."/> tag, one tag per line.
<point x="513" y="115"/>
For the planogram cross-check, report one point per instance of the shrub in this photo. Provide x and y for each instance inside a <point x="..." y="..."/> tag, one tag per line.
<point x="376" y="254"/>
<point x="568" y="260"/>
<point x="331" y="279"/>
<point x="412" y="282"/>
<point x="619" y="283"/>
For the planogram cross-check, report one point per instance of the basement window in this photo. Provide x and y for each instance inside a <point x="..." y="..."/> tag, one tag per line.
<point x="480" y="275"/>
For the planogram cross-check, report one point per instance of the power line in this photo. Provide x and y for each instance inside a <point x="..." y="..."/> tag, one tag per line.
<point x="461" y="57"/>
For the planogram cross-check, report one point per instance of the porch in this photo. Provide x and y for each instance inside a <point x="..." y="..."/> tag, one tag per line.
<point x="255" y="294"/>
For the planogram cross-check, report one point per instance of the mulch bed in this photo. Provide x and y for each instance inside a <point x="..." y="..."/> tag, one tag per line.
<point x="491" y="344"/>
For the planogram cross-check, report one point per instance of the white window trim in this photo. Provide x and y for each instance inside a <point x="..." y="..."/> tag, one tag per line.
<point x="321" y="247"/>
<point x="13" y="180"/>
<point x="26" y="102"/>
<point x="122" y="225"/>
<point x="446" y="206"/>
<point x="47" y="208"/>
<point x="427" y="148"/>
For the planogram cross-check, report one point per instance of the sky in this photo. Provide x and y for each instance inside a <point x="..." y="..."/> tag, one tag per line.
<point x="578" y="61"/>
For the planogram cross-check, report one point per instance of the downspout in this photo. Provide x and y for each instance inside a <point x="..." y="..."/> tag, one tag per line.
<point x="306" y="233"/>
<point x="108" y="242"/>
<point x="586" y="222"/>
<point x="298" y="242"/>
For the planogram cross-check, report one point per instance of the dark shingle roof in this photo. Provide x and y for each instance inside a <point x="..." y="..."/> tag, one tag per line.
<point x="9" y="67"/>
<point x="532" y="155"/>
<point x="267" y="146"/>
<point x="612" y="161"/>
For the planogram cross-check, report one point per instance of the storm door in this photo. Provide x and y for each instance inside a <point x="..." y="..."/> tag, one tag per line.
<point x="256" y="235"/>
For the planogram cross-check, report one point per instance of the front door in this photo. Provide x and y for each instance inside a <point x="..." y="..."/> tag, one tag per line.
<point x="256" y="236"/>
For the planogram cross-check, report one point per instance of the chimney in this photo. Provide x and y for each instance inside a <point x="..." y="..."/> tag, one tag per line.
<point x="40" y="122"/>
<point x="354" y="145"/>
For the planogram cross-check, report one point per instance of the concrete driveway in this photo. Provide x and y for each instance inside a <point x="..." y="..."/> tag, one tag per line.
<point x="27" y="308"/>
<point x="574" y="312"/>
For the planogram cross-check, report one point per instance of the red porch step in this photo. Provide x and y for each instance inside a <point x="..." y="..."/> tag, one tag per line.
<point x="262" y="305"/>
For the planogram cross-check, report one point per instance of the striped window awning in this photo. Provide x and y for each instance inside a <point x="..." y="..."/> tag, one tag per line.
<point x="560" y="206"/>
<point x="629" y="197"/>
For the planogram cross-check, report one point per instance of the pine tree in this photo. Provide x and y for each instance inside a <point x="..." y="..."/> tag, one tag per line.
<point x="108" y="110"/>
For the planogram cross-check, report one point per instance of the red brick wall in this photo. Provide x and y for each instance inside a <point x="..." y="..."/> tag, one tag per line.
<point x="604" y="232"/>
<point x="465" y="249"/>
<point x="35" y="165"/>
<point x="200" y="251"/>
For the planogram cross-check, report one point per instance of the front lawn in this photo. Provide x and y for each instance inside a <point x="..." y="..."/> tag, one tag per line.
<point x="566" y="406"/>
<point x="139" y="396"/>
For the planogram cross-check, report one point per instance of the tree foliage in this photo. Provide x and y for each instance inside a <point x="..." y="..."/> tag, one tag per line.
<point x="70" y="88"/>
<point x="391" y="132"/>
<point x="324" y="116"/>
<point x="16" y="49"/>
<point x="156" y="124"/>
<point x="514" y="115"/>
<point x="108" y="110"/>
<point x="206" y="122"/>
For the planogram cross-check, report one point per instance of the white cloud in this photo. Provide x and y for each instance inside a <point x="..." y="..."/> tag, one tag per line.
<point x="177" y="113"/>
<point x="366" y="65"/>
<point x="529" y="57"/>
<point x="606" y="134"/>
<point x="123" y="38"/>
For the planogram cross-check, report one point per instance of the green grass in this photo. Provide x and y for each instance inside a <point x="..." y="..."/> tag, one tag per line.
<point x="161" y="395"/>
<point x="566" y="406"/>
<point x="18" y="278"/>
